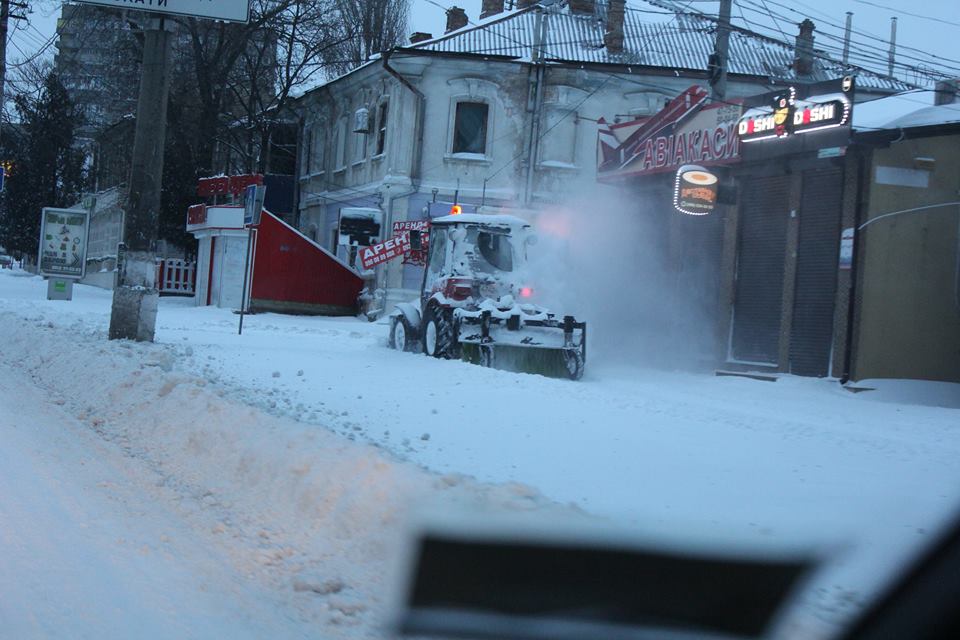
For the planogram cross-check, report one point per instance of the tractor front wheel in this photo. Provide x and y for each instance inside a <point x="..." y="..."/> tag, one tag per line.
<point x="439" y="339"/>
<point x="402" y="337"/>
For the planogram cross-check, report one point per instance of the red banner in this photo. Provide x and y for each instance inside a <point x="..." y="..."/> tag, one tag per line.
<point x="222" y="185"/>
<point x="384" y="251"/>
<point x="414" y="256"/>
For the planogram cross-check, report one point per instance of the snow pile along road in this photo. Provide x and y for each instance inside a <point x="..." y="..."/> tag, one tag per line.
<point x="295" y="449"/>
<point x="306" y="521"/>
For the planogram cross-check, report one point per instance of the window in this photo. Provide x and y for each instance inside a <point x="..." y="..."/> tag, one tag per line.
<point x="496" y="251"/>
<point x="359" y="146"/>
<point x="558" y="147"/>
<point x="470" y="128"/>
<point x="382" y="112"/>
<point x="340" y="144"/>
<point x="318" y="156"/>
<point x="306" y="152"/>
<point x="438" y="246"/>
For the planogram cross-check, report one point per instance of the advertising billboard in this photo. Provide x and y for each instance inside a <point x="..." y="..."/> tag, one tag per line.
<point x="63" y="242"/>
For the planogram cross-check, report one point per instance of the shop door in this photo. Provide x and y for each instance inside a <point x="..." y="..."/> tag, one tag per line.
<point x="811" y="335"/>
<point x="764" y="210"/>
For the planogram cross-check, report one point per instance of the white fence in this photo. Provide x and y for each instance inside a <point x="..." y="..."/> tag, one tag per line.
<point x="175" y="276"/>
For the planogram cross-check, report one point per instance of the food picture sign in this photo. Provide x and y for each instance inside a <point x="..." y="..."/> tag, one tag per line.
<point x="695" y="192"/>
<point x="63" y="242"/>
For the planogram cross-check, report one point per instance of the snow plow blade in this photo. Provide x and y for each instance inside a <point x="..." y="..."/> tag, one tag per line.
<point x="545" y="347"/>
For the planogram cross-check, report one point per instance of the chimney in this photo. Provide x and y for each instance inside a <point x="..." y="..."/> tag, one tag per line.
<point x="582" y="7"/>
<point x="946" y="91"/>
<point x="491" y="8"/>
<point x="613" y="38"/>
<point x="456" y="19"/>
<point x="420" y="36"/>
<point x="803" y="52"/>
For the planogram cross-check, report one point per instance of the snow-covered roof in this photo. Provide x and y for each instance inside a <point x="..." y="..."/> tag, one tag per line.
<point x="904" y="110"/>
<point x="671" y="40"/>
<point x="481" y="218"/>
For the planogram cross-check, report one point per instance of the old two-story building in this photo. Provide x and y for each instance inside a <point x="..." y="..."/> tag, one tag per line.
<point x="501" y="113"/>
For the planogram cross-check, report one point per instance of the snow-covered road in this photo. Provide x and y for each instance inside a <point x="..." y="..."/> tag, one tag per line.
<point x="87" y="550"/>
<point x="301" y="444"/>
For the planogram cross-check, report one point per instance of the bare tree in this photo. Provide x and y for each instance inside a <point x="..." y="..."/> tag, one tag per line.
<point x="369" y="27"/>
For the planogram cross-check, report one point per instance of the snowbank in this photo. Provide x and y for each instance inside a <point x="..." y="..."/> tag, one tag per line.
<point x="299" y="445"/>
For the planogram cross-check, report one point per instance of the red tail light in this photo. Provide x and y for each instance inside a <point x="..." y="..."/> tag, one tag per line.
<point x="526" y="292"/>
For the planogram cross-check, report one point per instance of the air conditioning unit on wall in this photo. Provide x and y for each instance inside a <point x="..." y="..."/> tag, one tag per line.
<point x="361" y="120"/>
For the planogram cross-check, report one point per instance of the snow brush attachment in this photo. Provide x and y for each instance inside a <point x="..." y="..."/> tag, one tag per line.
<point x="540" y="346"/>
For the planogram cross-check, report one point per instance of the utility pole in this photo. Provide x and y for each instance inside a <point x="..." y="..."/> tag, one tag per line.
<point x="719" y="59"/>
<point x="893" y="46"/>
<point x="134" y="312"/>
<point x="846" y="38"/>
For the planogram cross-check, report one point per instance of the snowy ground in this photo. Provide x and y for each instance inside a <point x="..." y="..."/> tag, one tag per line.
<point x="275" y="467"/>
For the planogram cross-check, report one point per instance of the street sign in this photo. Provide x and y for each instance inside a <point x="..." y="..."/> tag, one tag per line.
<point x="227" y="10"/>
<point x="253" y="203"/>
<point x="63" y="242"/>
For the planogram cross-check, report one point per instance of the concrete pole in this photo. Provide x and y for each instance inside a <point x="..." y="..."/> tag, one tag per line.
<point x="893" y="46"/>
<point x="134" y="313"/>
<point x="721" y="50"/>
<point x="846" y="38"/>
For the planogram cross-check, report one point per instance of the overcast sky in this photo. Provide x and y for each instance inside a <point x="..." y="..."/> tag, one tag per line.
<point x="933" y="28"/>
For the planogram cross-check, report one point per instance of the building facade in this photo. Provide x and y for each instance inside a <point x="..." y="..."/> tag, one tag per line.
<point x="501" y="115"/>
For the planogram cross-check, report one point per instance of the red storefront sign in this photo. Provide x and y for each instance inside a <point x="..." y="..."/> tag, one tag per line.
<point x="688" y="130"/>
<point x="417" y="257"/>
<point x="384" y="251"/>
<point x="223" y="185"/>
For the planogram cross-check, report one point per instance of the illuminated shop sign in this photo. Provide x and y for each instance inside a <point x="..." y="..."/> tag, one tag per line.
<point x="689" y="129"/>
<point x="784" y="114"/>
<point x="695" y="190"/>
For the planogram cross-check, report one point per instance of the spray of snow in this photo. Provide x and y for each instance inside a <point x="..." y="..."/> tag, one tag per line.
<point x="607" y="260"/>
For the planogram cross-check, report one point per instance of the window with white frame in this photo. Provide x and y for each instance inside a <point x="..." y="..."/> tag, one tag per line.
<point x="470" y="127"/>
<point x="559" y="143"/>
<point x="383" y="111"/>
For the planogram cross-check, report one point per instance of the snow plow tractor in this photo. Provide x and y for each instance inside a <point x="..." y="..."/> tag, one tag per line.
<point x="476" y="302"/>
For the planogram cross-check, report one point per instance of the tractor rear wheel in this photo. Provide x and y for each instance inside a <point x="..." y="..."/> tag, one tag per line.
<point x="439" y="339"/>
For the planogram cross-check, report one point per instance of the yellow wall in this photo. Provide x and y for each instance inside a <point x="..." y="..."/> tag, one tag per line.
<point x="909" y="319"/>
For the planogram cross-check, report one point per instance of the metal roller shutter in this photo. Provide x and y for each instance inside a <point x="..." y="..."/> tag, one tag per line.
<point x="811" y="336"/>
<point x="760" y="263"/>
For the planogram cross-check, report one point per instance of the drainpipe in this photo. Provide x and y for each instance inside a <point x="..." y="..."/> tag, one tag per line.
<point x="539" y="71"/>
<point x="416" y="168"/>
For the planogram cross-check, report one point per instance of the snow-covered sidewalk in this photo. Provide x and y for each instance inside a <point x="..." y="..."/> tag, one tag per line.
<point x="253" y="434"/>
<point x="89" y="550"/>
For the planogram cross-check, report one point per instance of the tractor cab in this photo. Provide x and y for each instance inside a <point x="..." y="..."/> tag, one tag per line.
<point x="476" y="257"/>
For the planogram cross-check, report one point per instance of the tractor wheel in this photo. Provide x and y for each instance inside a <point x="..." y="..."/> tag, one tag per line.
<point x="439" y="339"/>
<point x="486" y="356"/>
<point x="401" y="335"/>
<point x="573" y="360"/>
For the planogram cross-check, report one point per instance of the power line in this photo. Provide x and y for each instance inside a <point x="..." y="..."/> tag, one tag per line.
<point x="908" y="13"/>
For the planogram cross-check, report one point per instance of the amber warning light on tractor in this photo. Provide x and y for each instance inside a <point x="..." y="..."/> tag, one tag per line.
<point x="695" y="191"/>
<point x="456" y="210"/>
